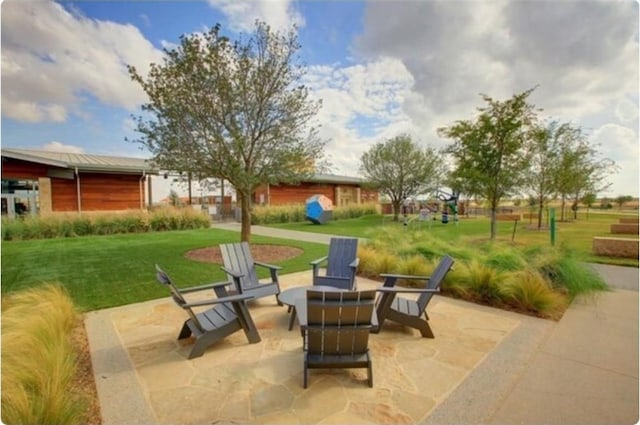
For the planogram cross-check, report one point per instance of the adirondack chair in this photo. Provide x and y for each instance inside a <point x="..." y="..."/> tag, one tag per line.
<point x="341" y="264"/>
<point x="335" y="328"/>
<point x="229" y="314"/>
<point x="241" y="268"/>
<point x="407" y="311"/>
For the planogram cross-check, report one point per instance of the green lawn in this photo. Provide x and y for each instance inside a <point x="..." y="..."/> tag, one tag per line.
<point x="107" y="271"/>
<point x="576" y="235"/>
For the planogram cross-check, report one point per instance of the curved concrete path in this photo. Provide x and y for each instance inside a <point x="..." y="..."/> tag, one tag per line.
<point x="486" y="366"/>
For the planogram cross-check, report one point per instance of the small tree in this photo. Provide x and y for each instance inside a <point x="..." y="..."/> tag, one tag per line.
<point x="490" y="151"/>
<point x="623" y="199"/>
<point x="400" y="169"/>
<point x="235" y="111"/>
<point x="544" y="147"/>
<point x="589" y="199"/>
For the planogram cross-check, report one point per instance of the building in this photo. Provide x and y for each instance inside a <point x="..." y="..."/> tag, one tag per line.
<point x="36" y="181"/>
<point x="342" y="190"/>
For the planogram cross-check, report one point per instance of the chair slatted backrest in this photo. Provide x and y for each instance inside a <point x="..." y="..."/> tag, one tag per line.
<point x="435" y="280"/>
<point x="237" y="257"/>
<point x="164" y="278"/>
<point x="342" y="252"/>
<point x="338" y="323"/>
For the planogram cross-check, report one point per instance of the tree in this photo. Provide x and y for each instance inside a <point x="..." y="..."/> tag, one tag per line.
<point x="580" y="171"/>
<point x="234" y="111"/>
<point x="589" y="199"/>
<point x="544" y="148"/>
<point x="400" y="169"/>
<point x="490" y="152"/>
<point x="623" y="199"/>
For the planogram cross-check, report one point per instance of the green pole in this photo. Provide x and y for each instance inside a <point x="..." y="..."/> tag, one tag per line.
<point x="552" y="219"/>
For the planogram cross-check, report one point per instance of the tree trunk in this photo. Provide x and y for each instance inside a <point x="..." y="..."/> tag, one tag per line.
<point x="493" y="223"/>
<point x="540" y="208"/>
<point x="245" y="208"/>
<point x="396" y="209"/>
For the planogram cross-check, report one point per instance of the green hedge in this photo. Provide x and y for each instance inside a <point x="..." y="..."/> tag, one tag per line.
<point x="72" y="225"/>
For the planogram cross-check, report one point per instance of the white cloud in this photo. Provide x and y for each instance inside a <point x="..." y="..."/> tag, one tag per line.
<point x="242" y="14"/>
<point x="583" y="56"/>
<point x="53" y="58"/>
<point x="360" y="105"/>
<point x="61" y="147"/>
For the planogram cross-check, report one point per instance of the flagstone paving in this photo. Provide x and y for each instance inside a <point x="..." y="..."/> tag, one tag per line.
<point x="238" y="382"/>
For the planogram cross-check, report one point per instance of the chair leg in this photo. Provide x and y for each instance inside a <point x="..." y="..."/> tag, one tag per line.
<point x="370" y="374"/>
<point x="306" y="372"/>
<point x="185" y="332"/>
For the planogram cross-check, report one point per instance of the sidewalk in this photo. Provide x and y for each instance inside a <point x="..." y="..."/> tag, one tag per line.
<point x="585" y="371"/>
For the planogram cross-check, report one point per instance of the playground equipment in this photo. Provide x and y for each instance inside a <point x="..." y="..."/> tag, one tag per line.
<point x="319" y="209"/>
<point x="450" y="204"/>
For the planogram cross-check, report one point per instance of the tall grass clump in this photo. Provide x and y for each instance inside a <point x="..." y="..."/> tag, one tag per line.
<point x="505" y="259"/>
<point x="354" y="211"/>
<point x="38" y="358"/>
<point x="101" y="223"/>
<point x="529" y="291"/>
<point x="573" y="276"/>
<point x="271" y="214"/>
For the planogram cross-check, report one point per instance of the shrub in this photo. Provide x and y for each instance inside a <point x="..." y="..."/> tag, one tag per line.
<point x="38" y="359"/>
<point x="572" y="276"/>
<point x="89" y="223"/>
<point x="529" y="291"/>
<point x="367" y="266"/>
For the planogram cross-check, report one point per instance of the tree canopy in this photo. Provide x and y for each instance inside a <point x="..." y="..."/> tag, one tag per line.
<point x="231" y="110"/>
<point x="400" y="169"/>
<point x="490" y="151"/>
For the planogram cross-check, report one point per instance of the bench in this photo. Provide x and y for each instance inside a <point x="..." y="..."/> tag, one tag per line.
<point x="615" y="247"/>
<point x="625" y="228"/>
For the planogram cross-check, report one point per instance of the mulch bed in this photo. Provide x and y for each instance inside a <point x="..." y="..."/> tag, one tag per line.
<point x="262" y="253"/>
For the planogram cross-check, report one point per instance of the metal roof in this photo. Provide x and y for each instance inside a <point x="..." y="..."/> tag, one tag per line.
<point x="81" y="161"/>
<point x="330" y="178"/>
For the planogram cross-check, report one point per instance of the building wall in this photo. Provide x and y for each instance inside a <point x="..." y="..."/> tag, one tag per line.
<point x="98" y="191"/>
<point x="292" y="194"/>
<point x="340" y="195"/>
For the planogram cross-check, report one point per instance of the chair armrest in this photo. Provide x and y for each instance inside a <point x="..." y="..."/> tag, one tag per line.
<point x="399" y="290"/>
<point x="203" y="287"/>
<point x="233" y="273"/>
<point x="269" y="266"/>
<point x="355" y="263"/>
<point x="318" y="261"/>
<point x="229" y="299"/>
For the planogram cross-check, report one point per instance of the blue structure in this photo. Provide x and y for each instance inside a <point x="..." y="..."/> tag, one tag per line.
<point x="319" y="209"/>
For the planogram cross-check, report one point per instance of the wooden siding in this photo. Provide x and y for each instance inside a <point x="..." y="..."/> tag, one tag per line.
<point x="16" y="169"/>
<point x="110" y="192"/>
<point x="294" y="194"/>
<point x="99" y="191"/>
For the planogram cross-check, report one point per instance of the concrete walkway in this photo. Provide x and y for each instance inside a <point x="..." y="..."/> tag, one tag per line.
<point x="486" y="366"/>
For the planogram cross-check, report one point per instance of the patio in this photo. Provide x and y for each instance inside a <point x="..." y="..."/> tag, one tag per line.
<point x="143" y="375"/>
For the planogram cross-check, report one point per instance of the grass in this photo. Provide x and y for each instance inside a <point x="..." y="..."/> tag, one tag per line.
<point x="574" y="235"/>
<point x="107" y="271"/>
<point x="38" y="358"/>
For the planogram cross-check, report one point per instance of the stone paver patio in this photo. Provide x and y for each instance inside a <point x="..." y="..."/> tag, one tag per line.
<point x="238" y="382"/>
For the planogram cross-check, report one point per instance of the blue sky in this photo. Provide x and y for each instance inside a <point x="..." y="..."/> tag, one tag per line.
<point x="381" y="68"/>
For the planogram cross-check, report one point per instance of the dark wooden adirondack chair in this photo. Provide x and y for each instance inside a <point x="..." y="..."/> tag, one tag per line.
<point x="341" y="264"/>
<point x="407" y="311"/>
<point x="335" y="327"/>
<point x="229" y="314"/>
<point x="240" y="267"/>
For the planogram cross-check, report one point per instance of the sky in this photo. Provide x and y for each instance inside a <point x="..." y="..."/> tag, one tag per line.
<point x="381" y="68"/>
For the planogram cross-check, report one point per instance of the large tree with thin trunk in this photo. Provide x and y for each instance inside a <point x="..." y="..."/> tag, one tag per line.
<point x="545" y="143"/>
<point x="490" y="151"/>
<point x="401" y="169"/>
<point x="234" y="110"/>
